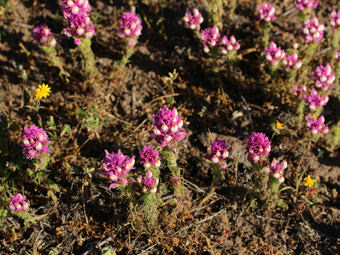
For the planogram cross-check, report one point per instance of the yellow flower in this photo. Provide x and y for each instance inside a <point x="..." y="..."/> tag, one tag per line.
<point x="42" y="92"/>
<point x="278" y="125"/>
<point x="308" y="181"/>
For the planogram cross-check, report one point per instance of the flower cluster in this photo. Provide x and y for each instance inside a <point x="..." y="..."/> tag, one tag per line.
<point x="130" y="26"/>
<point x="292" y="61"/>
<point x="218" y="151"/>
<point x="79" y="24"/>
<point x="276" y="169"/>
<point x="306" y="4"/>
<point x="323" y="77"/>
<point x="149" y="183"/>
<point x="266" y="12"/>
<point x="43" y="36"/>
<point x="168" y="127"/>
<point x="73" y="7"/>
<point x="149" y="157"/>
<point x="316" y="125"/>
<point x="314" y="100"/>
<point x="258" y="146"/>
<point x="308" y="181"/>
<point x="300" y="92"/>
<point x="194" y="20"/>
<point x="116" y="166"/>
<point x="274" y="54"/>
<point x="312" y="31"/>
<point x="210" y="38"/>
<point x="229" y="45"/>
<point x="18" y="203"/>
<point x="42" y="91"/>
<point x="34" y="142"/>
<point x="335" y="20"/>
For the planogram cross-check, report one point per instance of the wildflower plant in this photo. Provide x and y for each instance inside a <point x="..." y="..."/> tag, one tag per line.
<point x="218" y="152"/>
<point x="193" y="20"/>
<point x="18" y="203"/>
<point x="276" y="178"/>
<point x="305" y="7"/>
<point x="129" y="29"/>
<point x="44" y="38"/>
<point x="265" y="14"/>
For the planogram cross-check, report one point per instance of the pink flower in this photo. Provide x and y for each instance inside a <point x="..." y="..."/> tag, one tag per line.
<point x="266" y="12"/>
<point x="228" y="45"/>
<point x="335" y="20"/>
<point x="79" y="26"/>
<point x="218" y="151"/>
<point x="323" y="77"/>
<point x="312" y="31"/>
<point x="149" y="157"/>
<point x="316" y="125"/>
<point x="274" y="54"/>
<point x="258" y="145"/>
<point x="129" y="26"/>
<point x="306" y="4"/>
<point x="116" y="166"/>
<point x="276" y="169"/>
<point x="175" y="181"/>
<point x="148" y="182"/>
<point x="18" y="203"/>
<point x="210" y="38"/>
<point x="315" y="100"/>
<point x="34" y="142"/>
<point x="292" y="61"/>
<point x="194" y="20"/>
<point x="168" y="127"/>
<point x="73" y="7"/>
<point x="43" y="36"/>
<point x="300" y="92"/>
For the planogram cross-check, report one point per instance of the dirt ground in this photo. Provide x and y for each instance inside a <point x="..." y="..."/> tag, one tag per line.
<point x="86" y="217"/>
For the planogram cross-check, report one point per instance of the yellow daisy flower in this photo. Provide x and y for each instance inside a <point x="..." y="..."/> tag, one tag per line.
<point x="308" y="181"/>
<point x="42" y="92"/>
<point x="278" y="125"/>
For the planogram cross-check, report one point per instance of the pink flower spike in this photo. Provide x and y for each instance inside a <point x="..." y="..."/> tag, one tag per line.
<point x="35" y="142"/>
<point x="316" y="125"/>
<point x="335" y="20"/>
<point x="292" y="61"/>
<point x="312" y="31"/>
<point x="258" y="145"/>
<point x="129" y="26"/>
<point x="18" y="203"/>
<point x="300" y="92"/>
<point x="149" y="183"/>
<point x="228" y="45"/>
<point x="73" y="7"/>
<point x="323" y="77"/>
<point x="210" y="38"/>
<point x="194" y="20"/>
<point x="218" y="151"/>
<point x="274" y="54"/>
<point x="149" y="157"/>
<point x="315" y="100"/>
<point x="43" y="36"/>
<point x="276" y="169"/>
<point x="266" y="12"/>
<point x="306" y="4"/>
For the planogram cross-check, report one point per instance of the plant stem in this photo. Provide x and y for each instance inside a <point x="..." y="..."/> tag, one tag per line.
<point x="89" y="68"/>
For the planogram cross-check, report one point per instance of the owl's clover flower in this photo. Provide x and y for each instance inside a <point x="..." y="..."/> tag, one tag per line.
<point x="149" y="157"/>
<point x="300" y="92"/>
<point x="43" y="36"/>
<point x="34" y="142"/>
<point x="73" y="7"/>
<point x="194" y="20"/>
<point x="274" y="54"/>
<point x="167" y="127"/>
<point x="335" y="21"/>
<point x="228" y="45"/>
<point x="312" y="31"/>
<point x="148" y="182"/>
<point x="306" y="4"/>
<point x="317" y="125"/>
<point x="218" y="152"/>
<point x="323" y="77"/>
<point x="210" y="38"/>
<point x="130" y="26"/>
<point x="258" y="146"/>
<point x="79" y="26"/>
<point x="276" y="169"/>
<point x="314" y="100"/>
<point x="18" y="203"/>
<point x="292" y="61"/>
<point x="116" y="166"/>
<point x="266" y="12"/>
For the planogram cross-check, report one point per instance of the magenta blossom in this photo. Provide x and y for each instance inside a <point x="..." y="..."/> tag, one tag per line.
<point x="210" y="38"/>
<point x="73" y="7"/>
<point x="292" y="61"/>
<point x="276" y="169"/>
<point x="149" y="157"/>
<point x="194" y="20"/>
<point x="18" y="203"/>
<point x="312" y="31"/>
<point x="218" y="151"/>
<point x="274" y="54"/>
<point x="43" y="36"/>
<point x="116" y="166"/>
<point x="34" y="142"/>
<point x="258" y="145"/>
<point x="168" y="127"/>
<point x="148" y="182"/>
<point x="300" y="92"/>
<point x="306" y="4"/>
<point x="79" y="26"/>
<point x="317" y="125"/>
<point x="266" y="12"/>
<point x="314" y="100"/>
<point x="228" y="45"/>
<point x="129" y="26"/>
<point x="335" y="20"/>
<point x="323" y="77"/>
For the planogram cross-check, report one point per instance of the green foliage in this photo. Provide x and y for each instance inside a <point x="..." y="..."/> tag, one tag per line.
<point x="90" y="119"/>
